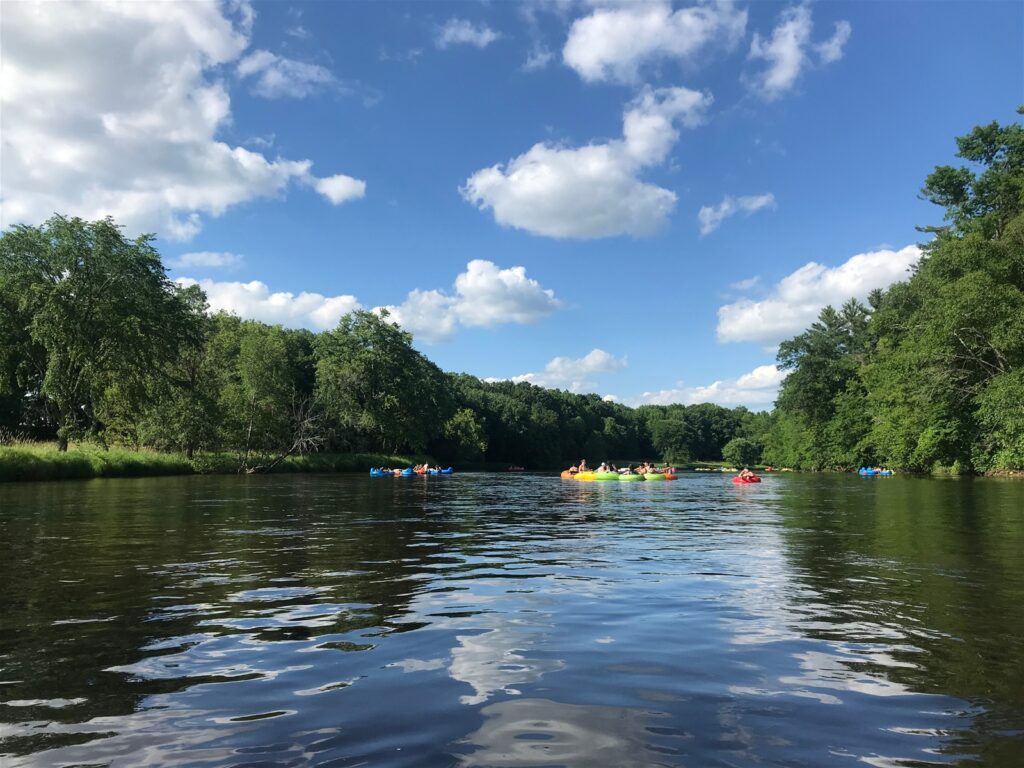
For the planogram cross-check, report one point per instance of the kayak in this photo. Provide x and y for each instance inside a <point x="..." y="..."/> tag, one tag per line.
<point x="745" y="480"/>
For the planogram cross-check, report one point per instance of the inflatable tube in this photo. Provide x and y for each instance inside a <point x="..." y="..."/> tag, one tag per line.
<point x="746" y="480"/>
<point x="606" y="475"/>
<point x="671" y="477"/>
<point x="407" y="473"/>
<point x="378" y="473"/>
<point x="586" y="476"/>
<point x="630" y="478"/>
<point x="567" y="475"/>
<point x="653" y="476"/>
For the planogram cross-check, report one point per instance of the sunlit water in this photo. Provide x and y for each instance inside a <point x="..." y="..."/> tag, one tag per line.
<point x="512" y="620"/>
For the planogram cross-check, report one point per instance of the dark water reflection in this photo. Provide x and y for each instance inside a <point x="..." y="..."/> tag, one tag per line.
<point x="496" y="620"/>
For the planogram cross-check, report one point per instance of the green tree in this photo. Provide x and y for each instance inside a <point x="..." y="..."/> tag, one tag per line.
<point x="671" y="438"/>
<point x="982" y="202"/>
<point x="465" y="437"/>
<point x="98" y="308"/>
<point x="378" y="388"/>
<point x="266" y="415"/>
<point x="741" y="451"/>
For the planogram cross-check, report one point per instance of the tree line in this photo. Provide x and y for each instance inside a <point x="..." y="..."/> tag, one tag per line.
<point x="929" y="374"/>
<point x="97" y="343"/>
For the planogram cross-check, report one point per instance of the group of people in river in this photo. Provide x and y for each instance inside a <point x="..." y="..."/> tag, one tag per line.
<point x="418" y="469"/>
<point x="645" y="468"/>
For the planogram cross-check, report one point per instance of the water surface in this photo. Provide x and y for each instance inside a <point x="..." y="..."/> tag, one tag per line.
<point x="512" y="620"/>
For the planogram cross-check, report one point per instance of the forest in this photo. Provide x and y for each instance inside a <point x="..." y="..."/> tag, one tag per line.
<point x="99" y="345"/>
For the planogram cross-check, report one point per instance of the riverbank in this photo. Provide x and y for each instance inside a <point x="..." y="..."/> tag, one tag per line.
<point x="42" y="461"/>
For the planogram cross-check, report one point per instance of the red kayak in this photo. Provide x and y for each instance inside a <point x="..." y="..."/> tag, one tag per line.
<point x="744" y="480"/>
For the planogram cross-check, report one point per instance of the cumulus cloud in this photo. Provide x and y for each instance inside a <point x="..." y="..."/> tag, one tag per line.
<point x="114" y="109"/>
<point x="755" y="389"/>
<point x="614" y="43"/>
<point x="340" y="188"/>
<point x="796" y="300"/>
<point x="254" y="300"/>
<point x="574" y="374"/>
<point x="786" y="51"/>
<point x="484" y="296"/>
<point x="464" y="32"/>
<point x="277" y="77"/>
<point x="207" y="260"/>
<point x="592" y="191"/>
<point x="711" y="217"/>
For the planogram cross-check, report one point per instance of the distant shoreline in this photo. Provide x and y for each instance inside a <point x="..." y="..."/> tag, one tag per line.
<point x="37" y="462"/>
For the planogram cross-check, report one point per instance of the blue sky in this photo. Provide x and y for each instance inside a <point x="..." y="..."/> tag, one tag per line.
<point x="639" y="199"/>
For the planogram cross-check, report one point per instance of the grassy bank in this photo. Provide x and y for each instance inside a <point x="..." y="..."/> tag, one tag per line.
<point x="42" y="461"/>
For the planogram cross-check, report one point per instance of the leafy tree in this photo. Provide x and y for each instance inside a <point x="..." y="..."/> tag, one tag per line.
<point x="266" y="416"/>
<point x="376" y="387"/>
<point x="672" y="437"/>
<point x="988" y="201"/>
<point x="740" y="452"/>
<point x="464" y="437"/>
<point x="97" y="307"/>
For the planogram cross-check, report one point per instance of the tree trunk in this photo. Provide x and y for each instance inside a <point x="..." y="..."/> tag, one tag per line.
<point x="62" y="443"/>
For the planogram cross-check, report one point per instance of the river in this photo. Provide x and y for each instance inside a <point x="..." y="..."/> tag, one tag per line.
<point x="512" y="620"/>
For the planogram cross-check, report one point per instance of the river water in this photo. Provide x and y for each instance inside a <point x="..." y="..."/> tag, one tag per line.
<point x="512" y="620"/>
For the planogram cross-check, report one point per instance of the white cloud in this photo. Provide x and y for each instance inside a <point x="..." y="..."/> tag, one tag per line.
<point x="464" y="32"/>
<point x="484" y="296"/>
<point x="427" y="315"/>
<point x="592" y="191"/>
<point x="756" y="389"/>
<point x="711" y="217"/>
<point x="797" y="299"/>
<point x="278" y="77"/>
<point x="746" y="285"/>
<point x="341" y="188"/>
<point x="253" y="300"/>
<point x="573" y="374"/>
<point x="832" y="49"/>
<point x="207" y="259"/>
<point x="114" y="109"/>
<point x="538" y="58"/>
<point x="614" y="43"/>
<point x="786" y="51"/>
